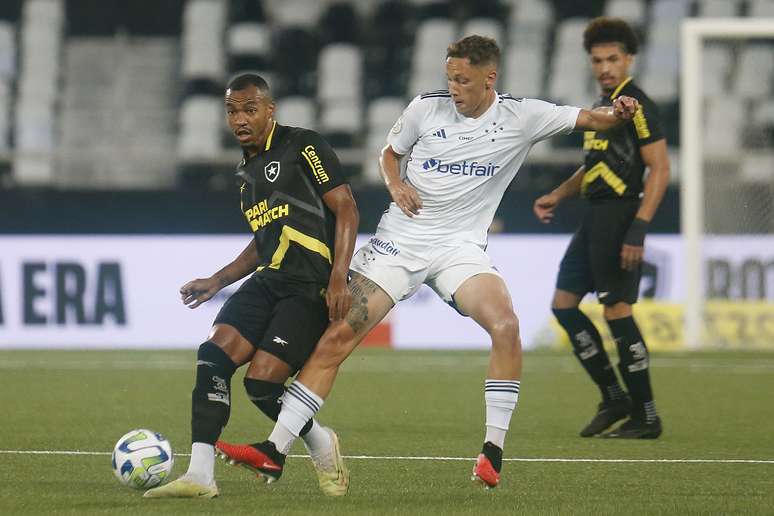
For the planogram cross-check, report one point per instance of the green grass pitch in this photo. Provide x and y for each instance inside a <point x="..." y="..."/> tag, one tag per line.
<point x="392" y="404"/>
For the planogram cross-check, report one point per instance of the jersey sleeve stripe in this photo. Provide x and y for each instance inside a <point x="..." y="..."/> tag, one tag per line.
<point x="290" y="234"/>
<point x="435" y="94"/>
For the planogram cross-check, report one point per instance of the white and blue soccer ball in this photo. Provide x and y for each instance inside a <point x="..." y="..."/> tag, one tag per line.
<point x="142" y="459"/>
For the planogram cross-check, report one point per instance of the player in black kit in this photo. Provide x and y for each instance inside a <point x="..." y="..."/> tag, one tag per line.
<point x="304" y="221"/>
<point x="605" y="254"/>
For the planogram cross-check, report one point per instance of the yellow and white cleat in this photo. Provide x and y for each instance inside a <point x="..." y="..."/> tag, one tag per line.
<point x="332" y="474"/>
<point x="182" y="488"/>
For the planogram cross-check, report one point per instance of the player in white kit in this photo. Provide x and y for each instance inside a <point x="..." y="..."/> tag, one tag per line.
<point x="465" y="146"/>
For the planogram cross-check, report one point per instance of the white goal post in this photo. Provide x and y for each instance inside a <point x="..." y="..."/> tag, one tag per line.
<point x="693" y="32"/>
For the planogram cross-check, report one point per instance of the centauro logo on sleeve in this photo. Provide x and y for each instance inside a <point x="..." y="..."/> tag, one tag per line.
<point x="260" y="214"/>
<point x="316" y="164"/>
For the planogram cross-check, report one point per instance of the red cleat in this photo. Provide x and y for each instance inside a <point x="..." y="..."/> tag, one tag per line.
<point x="484" y="473"/>
<point x="262" y="459"/>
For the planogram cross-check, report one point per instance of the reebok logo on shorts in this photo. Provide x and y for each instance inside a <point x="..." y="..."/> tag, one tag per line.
<point x="280" y="341"/>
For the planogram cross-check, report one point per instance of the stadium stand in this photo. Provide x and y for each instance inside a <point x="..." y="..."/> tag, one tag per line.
<point x="344" y="67"/>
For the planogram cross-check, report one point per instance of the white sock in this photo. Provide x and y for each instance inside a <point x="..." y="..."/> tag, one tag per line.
<point x="299" y="405"/>
<point x="501" y="397"/>
<point x="317" y="440"/>
<point x="201" y="469"/>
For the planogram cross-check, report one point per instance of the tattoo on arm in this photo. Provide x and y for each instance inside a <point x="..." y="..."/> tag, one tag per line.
<point x="361" y="289"/>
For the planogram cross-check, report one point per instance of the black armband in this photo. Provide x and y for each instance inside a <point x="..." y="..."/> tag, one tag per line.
<point x="635" y="236"/>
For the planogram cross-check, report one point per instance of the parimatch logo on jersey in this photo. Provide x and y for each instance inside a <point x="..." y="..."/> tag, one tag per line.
<point x="465" y="168"/>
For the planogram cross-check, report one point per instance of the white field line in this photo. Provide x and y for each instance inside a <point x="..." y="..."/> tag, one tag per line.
<point x="391" y="365"/>
<point x="390" y="457"/>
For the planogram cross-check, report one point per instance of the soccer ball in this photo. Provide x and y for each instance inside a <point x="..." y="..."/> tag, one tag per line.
<point x="142" y="459"/>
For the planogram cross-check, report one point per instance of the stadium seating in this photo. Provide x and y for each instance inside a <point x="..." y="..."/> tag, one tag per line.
<point x="7" y="73"/>
<point x="344" y="67"/>
<point x="203" y="55"/>
<point x="42" y="24"/>
<point x="761" y="8"/>
<point x="570" y="75"/>
<point x="433" y="36"/>
<point x="718" y="8"/>
<point x="633" y="11"/>
<point x="297" y="111"/>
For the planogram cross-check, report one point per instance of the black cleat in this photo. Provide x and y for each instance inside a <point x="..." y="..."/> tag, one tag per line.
<point x="636" y="429"/>
<point x="608" y="413"/>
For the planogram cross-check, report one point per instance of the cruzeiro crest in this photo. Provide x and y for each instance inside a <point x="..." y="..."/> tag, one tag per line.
<point x="272" y="171"/>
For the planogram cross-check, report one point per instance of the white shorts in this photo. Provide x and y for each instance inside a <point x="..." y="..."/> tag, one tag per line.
<point x="400" y="268"/>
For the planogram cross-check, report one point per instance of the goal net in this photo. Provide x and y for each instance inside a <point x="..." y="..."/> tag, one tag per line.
<point x="727" y="182"/>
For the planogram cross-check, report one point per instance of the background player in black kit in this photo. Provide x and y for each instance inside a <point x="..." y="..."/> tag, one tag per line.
<point x="304" y="220"/>
<point x="605" y="254"/>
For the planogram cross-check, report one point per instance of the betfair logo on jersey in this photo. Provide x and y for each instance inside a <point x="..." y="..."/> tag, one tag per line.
<point x="316" y="164"/>
<point x="260" y="214"/>
<point x="590" y="142"/>
<point x="464" y="168"/>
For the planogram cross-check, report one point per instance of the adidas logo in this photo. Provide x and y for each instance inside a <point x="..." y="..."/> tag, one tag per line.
<point x="440" y="133"/>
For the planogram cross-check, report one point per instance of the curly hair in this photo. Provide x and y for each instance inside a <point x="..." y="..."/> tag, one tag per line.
<point x="478" y="49"/>
<point x="610" y="30"/>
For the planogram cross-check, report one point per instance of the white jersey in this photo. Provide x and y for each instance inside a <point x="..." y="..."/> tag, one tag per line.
<point x="461" y="166"/>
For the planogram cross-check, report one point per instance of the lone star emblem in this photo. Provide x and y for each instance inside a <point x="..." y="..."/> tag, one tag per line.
<point x="272" y="171"/>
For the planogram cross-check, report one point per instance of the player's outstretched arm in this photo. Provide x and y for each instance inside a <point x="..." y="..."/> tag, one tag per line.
<point x="404" y="195"/>
<point x="197" y="291"/>
<point x="342" y="204"/>
<point x="544" y="206"/>
<point x="607" y="117"/>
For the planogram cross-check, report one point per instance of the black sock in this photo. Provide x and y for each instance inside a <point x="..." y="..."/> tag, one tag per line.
<point x="494" y="454"/>
<point x="211" y="397"/>
<point x="587" y="346"/>
<point x="633" y="365"/>
<point x="267" y="397"/>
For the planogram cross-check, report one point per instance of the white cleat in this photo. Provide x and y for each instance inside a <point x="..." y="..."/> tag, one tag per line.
<point x="332" y="474"/>
<point x="182" y="488"/>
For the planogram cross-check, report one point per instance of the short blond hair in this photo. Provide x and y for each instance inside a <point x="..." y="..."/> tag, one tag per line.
<point x="477" y="49"/>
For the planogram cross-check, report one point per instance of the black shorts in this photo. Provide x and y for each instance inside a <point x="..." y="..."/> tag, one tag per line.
<point x="283" y="318"/>
<point x="592" y="262"/>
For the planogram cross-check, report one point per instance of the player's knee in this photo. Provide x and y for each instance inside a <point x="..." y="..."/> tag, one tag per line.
<point x="212" y="355"/>
<point x="564" y="300"/>
<point x="617" y="311"/>
<point x="506" y="330"/>
<point x="231" y="342"/>
<point x="563" y="315"/>
<point x="262" y="390"/>
<point x="265" y="395"/>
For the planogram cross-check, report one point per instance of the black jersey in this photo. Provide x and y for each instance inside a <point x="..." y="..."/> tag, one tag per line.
<point x="614" y="165"/>
<point x="281" y="198"/>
